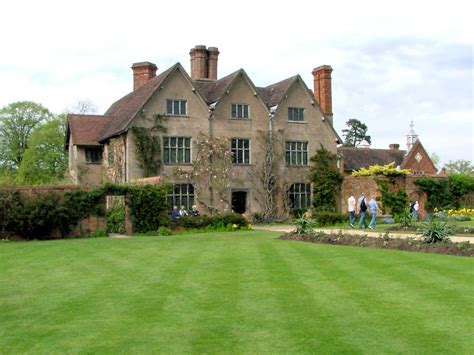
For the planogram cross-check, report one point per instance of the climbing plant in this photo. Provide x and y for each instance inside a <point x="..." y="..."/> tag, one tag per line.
<point x="394" y="199"/>
<point x="148" y="144"/>
<point x="211" y="169"/>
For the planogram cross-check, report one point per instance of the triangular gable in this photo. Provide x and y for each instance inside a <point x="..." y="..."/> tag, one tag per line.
<point x="127" y="108"/>
<point x="410" y="159"/>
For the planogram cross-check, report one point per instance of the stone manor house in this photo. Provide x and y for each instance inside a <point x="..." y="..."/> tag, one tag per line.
<point x="103" y="148"/>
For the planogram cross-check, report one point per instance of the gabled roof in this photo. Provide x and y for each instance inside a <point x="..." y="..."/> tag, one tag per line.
<point x="212" y="91"/>
<point x="356" y="158"/>
<point x="86" y="129"/>
<point x="125" y="109"/>
<point x="417" y="147"/>
<point x="274" y="93"/>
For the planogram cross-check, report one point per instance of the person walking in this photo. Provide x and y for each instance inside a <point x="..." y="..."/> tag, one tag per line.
<point x="373" y="208"/>
<point x="416" y="208"/>
<point x="362" y="210"/>
<point x="351" y="208"/>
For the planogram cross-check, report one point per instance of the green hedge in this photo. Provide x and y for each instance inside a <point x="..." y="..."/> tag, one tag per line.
<point x="41" y="216"/>
<point x="213" y="221"/>
<point x="328" y="218"/>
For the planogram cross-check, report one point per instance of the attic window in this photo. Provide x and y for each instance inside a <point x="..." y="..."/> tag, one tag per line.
<point x="176" y="107"/>
<point x="240" y="111"/>
<point x="295" y="114"/>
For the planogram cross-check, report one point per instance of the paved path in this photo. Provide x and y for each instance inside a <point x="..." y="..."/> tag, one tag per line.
<point x="289" y="228"/>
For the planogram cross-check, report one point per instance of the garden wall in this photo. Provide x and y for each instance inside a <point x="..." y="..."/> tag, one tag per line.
<point x="87" y="226"/>
<point x="357" y="185"/>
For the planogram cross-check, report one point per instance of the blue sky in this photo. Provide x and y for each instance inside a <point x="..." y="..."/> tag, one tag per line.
<point x="393" y="61"/>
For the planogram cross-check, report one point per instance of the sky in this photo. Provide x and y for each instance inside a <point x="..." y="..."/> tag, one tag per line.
<point x="394" y="61"/>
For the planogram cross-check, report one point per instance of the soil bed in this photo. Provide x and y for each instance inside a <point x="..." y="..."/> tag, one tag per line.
<point x="408" y="244"/>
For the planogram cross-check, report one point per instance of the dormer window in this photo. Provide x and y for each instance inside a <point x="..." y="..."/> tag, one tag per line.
<point x="176" y="107"/>
<point x="295" y="114"/>
<point x="240" y="111"/>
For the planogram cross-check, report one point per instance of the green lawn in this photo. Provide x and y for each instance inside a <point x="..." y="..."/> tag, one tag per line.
<point x="245" y="292"/>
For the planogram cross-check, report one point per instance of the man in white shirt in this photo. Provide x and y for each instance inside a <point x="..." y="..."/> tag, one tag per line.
<point x="351" y="208"/>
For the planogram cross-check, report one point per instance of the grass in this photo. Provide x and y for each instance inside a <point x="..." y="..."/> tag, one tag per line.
<point x="244" y="292"/>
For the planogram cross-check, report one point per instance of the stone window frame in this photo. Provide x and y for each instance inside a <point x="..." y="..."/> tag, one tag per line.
<point x="93" y="155"/>
<point x="241" y="152"/>
<point x="182" y="195"/>
<point x="296" y="153"/>
<point x="244" y="111"/>
<point x="173" y="110"/>
<point x="296" y="114"/>
<point x="185" y="151"/>
<point x="299" y="195"/>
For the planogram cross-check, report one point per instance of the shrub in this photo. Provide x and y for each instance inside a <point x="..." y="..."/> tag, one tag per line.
<point x="164" y="231"/>
<point x="99" y="234"/>
<point x="328" y="218"/>
<point x="435" y="231"/>
<point x="116" y="219"/>
<point x="405" y="218"/>
<point x="210" y="222"/>
<point x="305" y="225"/>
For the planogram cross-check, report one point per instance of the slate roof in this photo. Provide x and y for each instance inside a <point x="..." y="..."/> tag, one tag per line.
<point x="86" y="129"/>
<point x="356" y="158"/>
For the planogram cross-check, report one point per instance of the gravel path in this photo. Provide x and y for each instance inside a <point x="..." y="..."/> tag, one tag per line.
<point x="289" y="228"/>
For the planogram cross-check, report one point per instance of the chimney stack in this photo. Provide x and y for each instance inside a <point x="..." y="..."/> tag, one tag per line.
<point x="322" y="89"/>
<point x="394" y="146"/>
<point x="204" y="62"/>
<point x="142" y="72"/>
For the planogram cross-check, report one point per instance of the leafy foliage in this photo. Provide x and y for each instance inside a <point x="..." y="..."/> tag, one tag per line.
<point x="211" y="220"/>
<point x="460" y="167"/>
<point x="387" y="170"/>
<point x="116" y="219"/>
<point x="435" y="231"/>
<point x="305" y="225"/>
<point x="211" y="169"/>
<point x="405" y="218"/>
<point x="148" y="145"/>
<point x="37" y="217"/>
<point x="393" y="199"/>
<point x="326" y="179"/>
<point x="356" y="133"/>
<point x="18" y="121"/>
<point x="45" y="160"/>
<point x="324" y="218"/>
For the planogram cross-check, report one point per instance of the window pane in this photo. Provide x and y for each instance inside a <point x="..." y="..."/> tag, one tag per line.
<point x="169" y="107"/>
<point x="247" y="157"/>
<point x="246" y="111"/>
<point x="234" y="110"/>
<point x="187" y="158"/>
<point x="183" y="107"/>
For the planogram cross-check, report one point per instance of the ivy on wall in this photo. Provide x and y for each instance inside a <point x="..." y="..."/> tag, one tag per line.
<point x="36" y="217"/>
<point x="148" y="145"/>
<point x="393" y="200"/>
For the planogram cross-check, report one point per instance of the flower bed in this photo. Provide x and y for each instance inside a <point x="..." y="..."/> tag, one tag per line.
<point x="385" y="242"/>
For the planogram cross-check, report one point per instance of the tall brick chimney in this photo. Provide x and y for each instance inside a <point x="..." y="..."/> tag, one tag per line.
<point x="142" y="72"/>
<point x="212" y="63"/>
<point x="322" y="89"/>
<point x="204" y="62"/>
<point x="394" y="146"/>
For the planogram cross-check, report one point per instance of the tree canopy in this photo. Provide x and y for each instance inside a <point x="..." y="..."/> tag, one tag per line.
<point x="17" y="122"/>
<point x="45" y="159"/>
<point x="460" y="167"/>
<point x="355" y="133"/>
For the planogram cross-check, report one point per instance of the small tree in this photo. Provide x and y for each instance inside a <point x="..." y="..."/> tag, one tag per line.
<point x="326" y="179"/>
<point x="356" y="133"/>
<point x="460" y="167"/>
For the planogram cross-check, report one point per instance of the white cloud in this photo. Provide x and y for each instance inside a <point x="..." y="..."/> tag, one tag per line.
<point x="394" y="61"/>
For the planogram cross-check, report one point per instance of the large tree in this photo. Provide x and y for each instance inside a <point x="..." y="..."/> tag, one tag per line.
<point x="355" y="133"/>
<point x="460" y="167"/>
<point x="18" y="120"/>
<point x="45" y="160"/>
